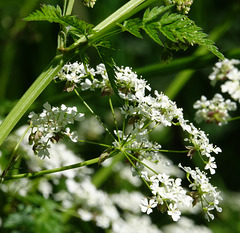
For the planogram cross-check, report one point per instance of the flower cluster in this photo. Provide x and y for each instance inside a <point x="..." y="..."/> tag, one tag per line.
<point x="201" y="143"/>
<point x="168" y="195"/>
<point x="203" y="190"/>
<point x="215" y="110"/>
<point x="143" y="112"/>
<point x="227" y="72"/>
<point x="50" y="126"/>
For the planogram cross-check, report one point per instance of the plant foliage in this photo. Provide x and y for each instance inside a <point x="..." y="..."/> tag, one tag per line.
<point x="176" y="28"/>
<point x="54" y="15"/>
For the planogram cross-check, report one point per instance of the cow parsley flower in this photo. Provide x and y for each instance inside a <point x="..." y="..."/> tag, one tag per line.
<point x="201" y="142"/>
<point x="223" y="70"/>
<point x="147" y="206"/>
<point x="203" y="190"/>
<point x="168" y="194"/>
<point x="215" y="110"/>
<point x="142" y="111"/>
<point x="227" y="72"/>
<point x="50" y="126"/>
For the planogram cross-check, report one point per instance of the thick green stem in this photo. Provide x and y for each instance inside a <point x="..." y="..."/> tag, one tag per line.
<point x="50" y="171"/>
<point x="68" y="6"/>
<point x="31" y="94"/>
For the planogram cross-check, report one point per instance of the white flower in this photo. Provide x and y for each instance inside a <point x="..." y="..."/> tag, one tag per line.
<point x="50" y="125"/>
<point x="211" y="165"/>
<point x="147" y="206"/>
<point x="215" y="110"/>
<point x="72" y="135"/>
<point x="174" y="212"/>
<point x="206" y="193"/>
<point x="232" y="88"/>
<point x="222" y="69"/>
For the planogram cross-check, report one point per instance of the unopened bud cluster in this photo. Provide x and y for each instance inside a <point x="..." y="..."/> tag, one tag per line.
<point x="183" y="6"/>
<point x="89" y="3"/>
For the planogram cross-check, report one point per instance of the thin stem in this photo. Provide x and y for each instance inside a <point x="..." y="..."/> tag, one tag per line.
<point x="133" y="157"/>
<point x="158" y="150"/>
<point x="14" y="157"/>
<point x="97" y="117"/>
<point x="234" y="118"/>
<point x="126" y="154"/>
<point x="114" y="116"/>
<point x="50" y="171"/>
<point x="94" y="143"/>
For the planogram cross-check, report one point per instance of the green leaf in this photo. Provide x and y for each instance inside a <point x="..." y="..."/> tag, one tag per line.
<point x="133" y="26"/>
<point x="171" y="18"/>
<point x="80" y="26"/>
<point x="54" y="15"/>
<point x="150" y="15"/>
<point x="153" y="32"/>
<point x="179" y="28"/>
<point x="48" y="13"/>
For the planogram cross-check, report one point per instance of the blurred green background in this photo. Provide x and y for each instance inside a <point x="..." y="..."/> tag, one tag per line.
<point x="26" y="48"/>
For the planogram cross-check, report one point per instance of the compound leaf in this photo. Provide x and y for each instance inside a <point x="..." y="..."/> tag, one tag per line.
<point x="48" y="13"/>
<point x="153" y="32"/>
<point x="133" y="26"/>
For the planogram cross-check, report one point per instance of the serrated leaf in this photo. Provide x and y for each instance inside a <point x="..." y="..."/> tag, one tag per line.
<point x="153" y="32"/>
<point x="48" y="13"/>
<point x="54" y="15"/>
<point x="168" y="18"/>
<point x="133" y="26"/>
<point x="150" y="15"/>
<point x="179" y="28"/>
<point x="81" y="26"/>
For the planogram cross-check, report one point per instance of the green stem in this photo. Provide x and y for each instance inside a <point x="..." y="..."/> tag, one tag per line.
<point x="145" y="165"/>
<point x="68" y="6"/>
<point x="14" y="156"/>
<point x="94" y="143"/>
<point x="31" y="94"/>
<point x="114" y="117"/>
<point x="126" y="154"/>
<point x="234" y="118"/>
<point x="50" y="171"/>
<point x="158" y="150"/>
